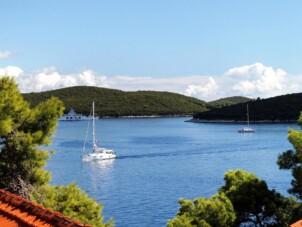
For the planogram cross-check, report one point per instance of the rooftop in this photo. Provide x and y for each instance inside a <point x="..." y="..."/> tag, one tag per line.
<point x="17" y="211"/>
<point x="297" y="224"/>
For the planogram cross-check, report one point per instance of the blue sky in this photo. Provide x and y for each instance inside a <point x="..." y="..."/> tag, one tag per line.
<point x="155" y="44"/>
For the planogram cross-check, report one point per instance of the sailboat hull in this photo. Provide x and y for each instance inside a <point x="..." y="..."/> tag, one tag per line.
<point x="246" y="130"/>
<point x="96" y="156"/>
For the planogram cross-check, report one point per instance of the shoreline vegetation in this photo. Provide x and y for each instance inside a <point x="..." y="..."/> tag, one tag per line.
<point x="148" y="116"/>
<point x="112" y="103"/>
<point x="279" y="109"/>
<point x="117" y="103"/>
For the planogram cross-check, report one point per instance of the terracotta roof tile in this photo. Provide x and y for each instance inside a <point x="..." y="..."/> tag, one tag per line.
<point x="297" y="224"/>
<point x="18" y="211"/>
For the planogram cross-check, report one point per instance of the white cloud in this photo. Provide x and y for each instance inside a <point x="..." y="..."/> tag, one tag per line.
<point x="258" y="80"/>
<point x="5" y="54"/>
<point x="254" y="80"/>
<point x="50" y="78"/>
<point x="245" y="87"/>
<point x="203" y="90"/>
<point x="11" y="71"/>
<point x="245" y="72"/>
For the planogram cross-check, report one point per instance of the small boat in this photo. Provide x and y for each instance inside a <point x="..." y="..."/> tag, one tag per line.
<point x="73" y="116"/>
<point x="247" y="129"/>
<point x="98" y="153"/>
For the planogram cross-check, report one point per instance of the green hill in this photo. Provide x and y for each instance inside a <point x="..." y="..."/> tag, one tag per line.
<point x="228" y="101"/>
<point x="111" y="102"/>
<point x="280" y="108"/>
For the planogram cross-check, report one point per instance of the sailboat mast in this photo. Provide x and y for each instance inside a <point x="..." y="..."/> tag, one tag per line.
<point x="247" y="113"/>
<point x="93" y="126"/>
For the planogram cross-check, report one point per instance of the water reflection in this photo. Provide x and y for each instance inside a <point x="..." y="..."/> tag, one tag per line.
<point x="102" y="174"/>
<point x="103" y="165"/>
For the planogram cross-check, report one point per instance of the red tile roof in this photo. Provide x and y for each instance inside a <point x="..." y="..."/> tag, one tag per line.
<point x="297" y="224"/>
<point x="17" y="211"/>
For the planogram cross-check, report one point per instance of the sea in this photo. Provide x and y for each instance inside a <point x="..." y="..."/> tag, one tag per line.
<point x="161" y="160"/>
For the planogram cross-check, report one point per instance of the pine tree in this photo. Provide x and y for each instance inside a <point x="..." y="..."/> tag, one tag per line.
<point x="22" y="133"/>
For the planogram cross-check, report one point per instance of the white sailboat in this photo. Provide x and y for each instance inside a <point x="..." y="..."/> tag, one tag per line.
<point x="247" y="129"/>
<point x="98" y="153"/>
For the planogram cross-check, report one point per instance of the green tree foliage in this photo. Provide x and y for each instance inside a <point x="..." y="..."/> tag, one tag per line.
<point x="22" y="130"/>
<point x="116" y="103"/>
<point x="22" y="133"/>
<point x="202" y="212"/>
<point x="71" y="201"/>
<point x="254" y="203"/>
<point x="228" y="101"/>
<point x="292" y="160"/>
<point x="244" y="200"/>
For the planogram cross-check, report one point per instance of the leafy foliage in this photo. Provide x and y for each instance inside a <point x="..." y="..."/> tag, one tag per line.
<point x="292" y="160"/>
<point x="71" y="201"/>
<point x="22" y="132"/>
<point x="254" y="203"/>
<point x="216" y="211"/>
<point x="280" y="108"/>
<point x="115" y="103"/>
<point x="244" y="200"/>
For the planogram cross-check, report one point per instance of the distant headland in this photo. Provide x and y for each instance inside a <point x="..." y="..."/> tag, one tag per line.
<point x="279" y="109"/>
<point x="139" y="104"/>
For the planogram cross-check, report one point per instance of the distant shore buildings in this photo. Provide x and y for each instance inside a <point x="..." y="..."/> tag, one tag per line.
<point x="73" y="116"/>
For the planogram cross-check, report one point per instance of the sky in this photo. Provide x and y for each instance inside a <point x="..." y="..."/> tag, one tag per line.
<point x="200" y="48"/>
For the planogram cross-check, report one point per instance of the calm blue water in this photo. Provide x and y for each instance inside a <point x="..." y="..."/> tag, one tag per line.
<point x="161" y="160"/>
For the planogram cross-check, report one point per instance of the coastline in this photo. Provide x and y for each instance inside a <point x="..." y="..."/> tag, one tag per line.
<point x="147" y="116"/>
<point x="241" y="122"/>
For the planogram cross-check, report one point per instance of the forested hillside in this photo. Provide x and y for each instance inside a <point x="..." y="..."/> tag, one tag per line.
<point x="111" y="102"/>
<point x="228" y="101"/>
<point x="280" y="108"/>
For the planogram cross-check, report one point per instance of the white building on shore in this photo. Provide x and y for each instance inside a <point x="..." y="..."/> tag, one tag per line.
<point x="73" y="116"/>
